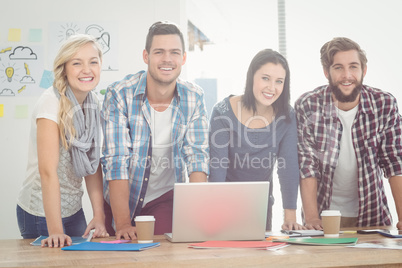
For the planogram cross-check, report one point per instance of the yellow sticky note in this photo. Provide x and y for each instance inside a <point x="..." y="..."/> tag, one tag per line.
<point x="21" y="111"/>
<point x="14" y="35"/>
<point x="1" y="110"/>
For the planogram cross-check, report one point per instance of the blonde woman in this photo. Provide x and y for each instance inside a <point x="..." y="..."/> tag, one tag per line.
<point x="64" y="148"/>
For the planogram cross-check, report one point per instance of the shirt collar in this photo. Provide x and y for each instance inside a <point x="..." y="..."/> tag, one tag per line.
<point x="366" y="105"/>
<point x="141" y="85"/>
<point x="142" y="88"/>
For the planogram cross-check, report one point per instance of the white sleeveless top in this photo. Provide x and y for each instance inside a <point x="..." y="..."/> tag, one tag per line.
<point x="30" y="196"/>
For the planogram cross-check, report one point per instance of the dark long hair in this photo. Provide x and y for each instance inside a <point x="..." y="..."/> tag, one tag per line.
<point x="281" y="105"/>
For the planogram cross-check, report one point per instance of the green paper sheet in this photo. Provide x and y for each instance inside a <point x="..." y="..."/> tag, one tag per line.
<point x="320" y="241"/>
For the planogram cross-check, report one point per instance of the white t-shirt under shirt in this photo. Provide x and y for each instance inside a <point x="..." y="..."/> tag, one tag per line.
<point x="345" y="186"/>
<point x="162" y="177"/>
<point x="30" y="196"/>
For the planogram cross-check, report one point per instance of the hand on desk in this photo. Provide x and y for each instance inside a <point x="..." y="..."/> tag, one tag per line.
<point x="314" y="224"/>
<point x="126" y="232"/>
<point x="57" y="240"/>
<point x="99" y="226"/>
<point x="291" y="225"/>
<point x="289" y="222"/>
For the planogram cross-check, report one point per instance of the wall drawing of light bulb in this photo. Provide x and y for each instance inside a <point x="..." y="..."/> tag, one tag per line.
<point x="9" y="73"/>
<point x="69" y="33"/>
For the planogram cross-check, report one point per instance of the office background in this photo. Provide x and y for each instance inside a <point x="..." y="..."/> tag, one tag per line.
<point x="221" y="36"/>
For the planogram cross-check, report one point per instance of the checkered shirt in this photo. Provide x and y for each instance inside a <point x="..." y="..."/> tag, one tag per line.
<point x="376" y="134"/>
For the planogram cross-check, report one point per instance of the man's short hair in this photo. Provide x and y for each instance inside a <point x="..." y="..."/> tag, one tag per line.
<point x="163" y="28"/>
<point x="330" y="48"/>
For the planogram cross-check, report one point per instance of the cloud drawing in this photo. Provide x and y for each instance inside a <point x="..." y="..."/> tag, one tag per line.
<point x="23" y="53"/>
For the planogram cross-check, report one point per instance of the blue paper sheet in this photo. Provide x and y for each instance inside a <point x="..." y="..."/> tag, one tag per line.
<point x="75" y="240"/>
<point x="95" y="246"/>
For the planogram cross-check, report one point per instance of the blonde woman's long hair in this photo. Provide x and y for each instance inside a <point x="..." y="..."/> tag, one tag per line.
<point x="69" y="48"/>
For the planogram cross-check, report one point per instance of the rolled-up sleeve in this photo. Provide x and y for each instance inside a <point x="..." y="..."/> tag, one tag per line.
<point x="195" y="144"/>
<point x="390" y="151"/>
<point x="308" y="162"/>
<point x="117" y="142"/>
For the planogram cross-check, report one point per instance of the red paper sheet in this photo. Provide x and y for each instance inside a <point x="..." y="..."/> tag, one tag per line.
<point x="237" y="244"/>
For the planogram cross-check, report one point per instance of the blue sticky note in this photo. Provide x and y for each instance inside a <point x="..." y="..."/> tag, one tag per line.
<point x="47" y="79"/>
<point x="35" y="35"/>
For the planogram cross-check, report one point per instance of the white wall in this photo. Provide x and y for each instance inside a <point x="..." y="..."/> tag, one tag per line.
<point x="375" y="25"/>
<point x="240" y="28"/>
<point x="134" y="17"/>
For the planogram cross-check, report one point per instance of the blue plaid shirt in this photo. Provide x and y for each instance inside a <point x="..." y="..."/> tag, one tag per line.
<point x="126" y="121"/>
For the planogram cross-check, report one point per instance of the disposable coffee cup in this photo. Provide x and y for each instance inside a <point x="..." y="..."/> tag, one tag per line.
<point x="145" y="228"/>
<point x="331" y="222"/>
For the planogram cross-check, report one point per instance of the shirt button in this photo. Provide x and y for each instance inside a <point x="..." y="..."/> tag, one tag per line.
<point x="141" y="199"/>
<point x="146" y="179"/>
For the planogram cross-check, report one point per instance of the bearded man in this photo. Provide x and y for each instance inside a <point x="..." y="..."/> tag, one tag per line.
<point x="349" y="139"/>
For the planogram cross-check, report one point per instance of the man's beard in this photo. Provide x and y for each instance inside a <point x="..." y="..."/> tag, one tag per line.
<point x="339" y="96"/>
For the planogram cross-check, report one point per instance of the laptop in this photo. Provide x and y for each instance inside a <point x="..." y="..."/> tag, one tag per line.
<point x="219" y="211"/>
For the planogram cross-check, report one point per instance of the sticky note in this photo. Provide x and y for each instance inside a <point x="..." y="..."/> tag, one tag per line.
<point x="21" y="111"/>
<point x="14" y="34"/>
<point x="35" y="35"/>
<point x="47" y="79"/>
<point x="116" y="241"/>
<point x="1" y="110"/>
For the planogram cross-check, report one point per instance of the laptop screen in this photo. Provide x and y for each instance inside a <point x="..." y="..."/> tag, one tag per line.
<point x="219" y="211"/>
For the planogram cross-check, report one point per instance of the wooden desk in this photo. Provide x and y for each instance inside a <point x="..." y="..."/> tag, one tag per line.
<point x="18" y="253"/>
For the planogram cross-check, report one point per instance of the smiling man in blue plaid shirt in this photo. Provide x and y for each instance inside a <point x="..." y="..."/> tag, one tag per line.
<point x="349" y="137"/>
<point x="155" y="130"/>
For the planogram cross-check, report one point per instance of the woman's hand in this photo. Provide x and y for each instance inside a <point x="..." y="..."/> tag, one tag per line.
<point x="57" y="240"/>
<point x="99" y="225"/>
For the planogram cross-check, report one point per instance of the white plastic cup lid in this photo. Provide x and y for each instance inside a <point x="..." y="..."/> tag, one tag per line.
<point x="144" y="218"/>
<point x="330" y="213"/>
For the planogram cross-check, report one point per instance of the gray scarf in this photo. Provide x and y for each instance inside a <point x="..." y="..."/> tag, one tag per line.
<point x="85" y="149"/>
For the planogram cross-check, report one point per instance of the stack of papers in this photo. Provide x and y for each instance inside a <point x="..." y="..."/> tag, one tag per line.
<point x="303" y="233"/>
<point x="384" y="232"/>
<point x="391" y="233"/>
<point x="384" y="243"/>
<point x="294" y="233"/>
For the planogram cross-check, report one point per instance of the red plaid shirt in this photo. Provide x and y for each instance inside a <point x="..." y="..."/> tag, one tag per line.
<point x="376" y="134"/>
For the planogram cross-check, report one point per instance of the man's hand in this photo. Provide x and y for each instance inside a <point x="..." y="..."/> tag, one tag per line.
<point x="127" y="232"/>
<point x="313" y="224"/>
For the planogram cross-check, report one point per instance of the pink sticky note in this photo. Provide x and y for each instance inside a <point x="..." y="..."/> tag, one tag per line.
<point x="116" y="241"/>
